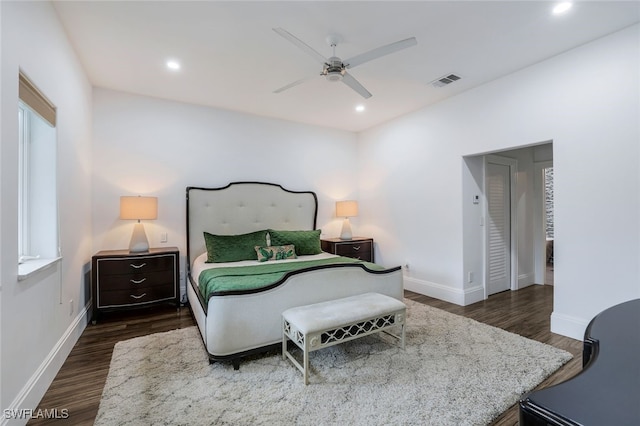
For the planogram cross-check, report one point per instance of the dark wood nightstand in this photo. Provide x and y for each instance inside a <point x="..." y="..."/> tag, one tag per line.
<point x="358" y="247"/>
<point x="123" y="280"/>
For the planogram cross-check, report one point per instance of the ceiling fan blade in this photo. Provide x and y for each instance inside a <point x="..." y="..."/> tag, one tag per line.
<point x="301" y="44"/>
<point x="294" y="84"/>
<point x="355" y="85"/>
<point x="379" y="52"/>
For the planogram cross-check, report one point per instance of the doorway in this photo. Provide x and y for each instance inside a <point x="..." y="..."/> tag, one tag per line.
<point x="527" y="243"/>
<point x="544" y="236"/>
<point x="548" y="224"/>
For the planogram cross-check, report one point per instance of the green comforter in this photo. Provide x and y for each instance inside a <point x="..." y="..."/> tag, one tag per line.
<point x="243" y="278"/>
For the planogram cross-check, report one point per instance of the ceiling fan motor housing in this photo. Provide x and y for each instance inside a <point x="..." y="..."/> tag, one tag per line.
<point x="334" y="69"/>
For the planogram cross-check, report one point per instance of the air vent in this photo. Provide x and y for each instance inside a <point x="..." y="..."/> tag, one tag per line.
<point x="443" y="81"/>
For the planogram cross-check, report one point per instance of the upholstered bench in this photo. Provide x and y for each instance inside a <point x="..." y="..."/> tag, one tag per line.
<point x="325" y="324"/>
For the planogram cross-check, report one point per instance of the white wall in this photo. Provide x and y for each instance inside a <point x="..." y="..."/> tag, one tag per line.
<point x="38" y="327"/>
<point x="1" y="209"/>
<point x="587" y="102"/>
<point x="148" y="146"/>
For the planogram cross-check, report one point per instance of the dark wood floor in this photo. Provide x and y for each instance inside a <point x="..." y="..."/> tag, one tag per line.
<point x="78" y="386"/>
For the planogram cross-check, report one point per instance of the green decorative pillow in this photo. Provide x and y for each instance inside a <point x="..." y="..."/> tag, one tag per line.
<point x="306" y="242"/>
<point x="232" y="248"/>
<point x="276" y="253"/>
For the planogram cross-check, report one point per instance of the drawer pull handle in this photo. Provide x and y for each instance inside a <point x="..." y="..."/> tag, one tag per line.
<point x="138" y="297"/>
<point x="138" y="281"/>
<point x="356" y="248"/>
<point x="137" y="266"/>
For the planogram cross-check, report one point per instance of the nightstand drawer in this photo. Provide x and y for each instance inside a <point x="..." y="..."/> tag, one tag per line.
<point x="136" y="265"/>
<point x="136" y="296"/>
<point x="356" y="250"/>
<point x="133" y="281"/>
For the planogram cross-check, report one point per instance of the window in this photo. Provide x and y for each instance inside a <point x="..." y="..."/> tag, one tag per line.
<point x="37" y="184"/>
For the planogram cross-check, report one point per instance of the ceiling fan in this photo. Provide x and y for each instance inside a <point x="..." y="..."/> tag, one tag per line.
<point x="335" y="69"/>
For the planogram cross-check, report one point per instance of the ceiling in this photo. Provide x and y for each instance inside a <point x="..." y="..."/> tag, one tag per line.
<point x="231" y="58"/>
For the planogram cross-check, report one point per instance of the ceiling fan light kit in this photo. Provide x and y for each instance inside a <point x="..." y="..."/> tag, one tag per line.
<point x="334" y="76"/>
<point x="334" y="69"/>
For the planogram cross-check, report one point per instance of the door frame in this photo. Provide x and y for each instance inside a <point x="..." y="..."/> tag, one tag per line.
<point x="513" y="167"/>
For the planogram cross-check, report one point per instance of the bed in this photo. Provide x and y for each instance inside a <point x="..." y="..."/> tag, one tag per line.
<point x="239" y="321"/>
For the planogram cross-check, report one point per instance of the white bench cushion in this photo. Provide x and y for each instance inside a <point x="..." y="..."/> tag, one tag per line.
<point x="322" y="316"/>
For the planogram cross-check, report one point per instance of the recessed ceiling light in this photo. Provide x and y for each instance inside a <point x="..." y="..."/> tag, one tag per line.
<point x="173" y="65"/>
<point x="360" y="108"/>
<point x="562" y="7"/>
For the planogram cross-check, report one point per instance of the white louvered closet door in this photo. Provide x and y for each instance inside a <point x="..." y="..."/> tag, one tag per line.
<point x="499" y="228"/>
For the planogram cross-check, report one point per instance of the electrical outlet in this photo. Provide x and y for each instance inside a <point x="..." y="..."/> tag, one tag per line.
<point x="406" y="266"/>
<point x="71" y="307"/>
<point x="470" y="277"/>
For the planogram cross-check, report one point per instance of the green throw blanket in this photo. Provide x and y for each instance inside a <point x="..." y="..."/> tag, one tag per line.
<point x="242" y="278"/>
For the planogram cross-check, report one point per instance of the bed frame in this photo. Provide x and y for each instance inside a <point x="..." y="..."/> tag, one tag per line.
<point x="243" y="323"/>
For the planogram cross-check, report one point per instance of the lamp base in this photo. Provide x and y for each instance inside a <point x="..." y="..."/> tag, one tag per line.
<point x="346" y="230"/>
<point x="139" y="242"/>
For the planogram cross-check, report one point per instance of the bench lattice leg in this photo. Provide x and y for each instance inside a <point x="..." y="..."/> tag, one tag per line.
<point x="325" y="338"/>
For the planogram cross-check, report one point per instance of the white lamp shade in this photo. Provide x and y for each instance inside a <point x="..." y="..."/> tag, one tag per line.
<point x="139" y="208"/>
<point x="348" y="208"/>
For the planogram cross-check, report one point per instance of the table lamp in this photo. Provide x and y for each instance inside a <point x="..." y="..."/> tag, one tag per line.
<point x="346" y="209"/>
<point x="139" y="208"/>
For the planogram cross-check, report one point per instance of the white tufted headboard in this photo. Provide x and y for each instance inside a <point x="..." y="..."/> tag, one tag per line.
<point x="242" y="207"/>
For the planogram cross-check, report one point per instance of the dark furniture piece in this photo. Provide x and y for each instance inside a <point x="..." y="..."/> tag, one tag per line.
<point x="123" y="280"/>
<point x="357" y="248"/>
<point x="607" y="390"/>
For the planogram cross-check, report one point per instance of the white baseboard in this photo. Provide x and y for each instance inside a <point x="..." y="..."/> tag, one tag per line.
<point x="448" y="294"/>
<point x="31" y="394"/>
<point x="473" y="295"/>
<point x="568" y="326"/>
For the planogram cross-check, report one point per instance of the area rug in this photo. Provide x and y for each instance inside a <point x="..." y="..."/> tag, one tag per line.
<point x="454" y="371"/>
